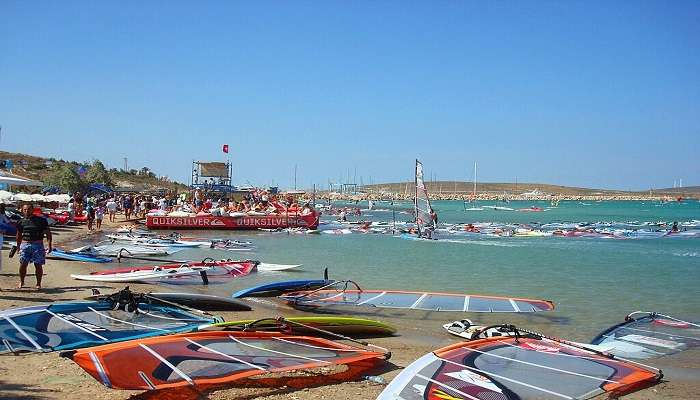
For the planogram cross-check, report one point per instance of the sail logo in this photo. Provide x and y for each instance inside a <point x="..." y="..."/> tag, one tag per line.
<point x="474" y="379"/>
<point x="79" y="322"/>
<point x="266" y="221"/>
<point x="540" y="347"/>
<point x="185" y="221"/>
<point x="675" y="324"/>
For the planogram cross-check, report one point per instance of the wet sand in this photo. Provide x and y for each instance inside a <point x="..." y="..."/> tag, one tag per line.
<point x="48" y="376"/>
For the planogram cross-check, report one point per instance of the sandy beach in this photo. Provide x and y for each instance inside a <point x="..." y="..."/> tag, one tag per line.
<point x="48" y="376"/>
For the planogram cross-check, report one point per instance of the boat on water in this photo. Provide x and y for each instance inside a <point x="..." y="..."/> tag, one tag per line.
<point x="473" y="197"/>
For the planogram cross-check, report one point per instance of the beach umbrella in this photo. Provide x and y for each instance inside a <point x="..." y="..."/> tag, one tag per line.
<point x="38" y="197"/>
<point x="59" y="198"/>
<point x="5" y="196"/>
<point x="22" y="197"/>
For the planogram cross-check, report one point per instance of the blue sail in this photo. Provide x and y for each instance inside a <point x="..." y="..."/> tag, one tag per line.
<point x="65" y="326"/>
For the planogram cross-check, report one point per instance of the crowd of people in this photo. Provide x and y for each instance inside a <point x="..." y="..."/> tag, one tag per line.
<point x="95" y="207"/>
<point x="259" y="201"/>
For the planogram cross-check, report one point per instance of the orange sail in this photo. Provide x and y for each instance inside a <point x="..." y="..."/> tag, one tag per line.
<point x="210" y="359"/>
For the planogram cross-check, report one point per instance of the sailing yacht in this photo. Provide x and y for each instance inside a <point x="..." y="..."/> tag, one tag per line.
<point x="473" y="200"/>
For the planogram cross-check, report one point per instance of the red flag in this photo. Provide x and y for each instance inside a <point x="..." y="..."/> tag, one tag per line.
<point x="225" y="149"/>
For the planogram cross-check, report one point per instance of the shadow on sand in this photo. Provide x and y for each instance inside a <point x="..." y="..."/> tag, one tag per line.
<point x="23" y="392"/>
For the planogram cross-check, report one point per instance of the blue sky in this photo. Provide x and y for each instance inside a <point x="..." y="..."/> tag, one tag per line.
<point x="585" y="93"/>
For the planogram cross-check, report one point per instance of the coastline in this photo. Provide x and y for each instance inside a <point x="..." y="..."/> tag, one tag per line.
<point x="48" y="376"/>
<point x="393" y="196"/>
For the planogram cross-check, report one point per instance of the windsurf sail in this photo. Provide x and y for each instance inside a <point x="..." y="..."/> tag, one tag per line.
<point x="209" y="359"/>
<point x="64" y="326"/>
<point x="520" y="367"/>
<point x="648" y="335"/>
<point x="421" y="203"/>
<point x="176" y="274"/>
<point x="310" y="326"/>
<point x="338" y="294"/>
<point x="277" y="288"/>
<point x="218" y="268"/>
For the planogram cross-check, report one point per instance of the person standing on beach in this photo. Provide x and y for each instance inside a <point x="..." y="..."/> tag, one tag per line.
<point x="90" y="210"/>
<point x="137" y="206"/>
<point x="99" y="216"/>
<point x="111" y="209"/>
<point x="128" y="206"/>
<point x="30" y="238"/>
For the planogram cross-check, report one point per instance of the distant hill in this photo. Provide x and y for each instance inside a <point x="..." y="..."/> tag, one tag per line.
<point x="686" y="189"/>
<point x="39" y="168"/>
<point x="459" y="187"/>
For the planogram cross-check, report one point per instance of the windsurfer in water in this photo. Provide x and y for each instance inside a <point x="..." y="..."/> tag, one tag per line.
<point x="434" y="221"/>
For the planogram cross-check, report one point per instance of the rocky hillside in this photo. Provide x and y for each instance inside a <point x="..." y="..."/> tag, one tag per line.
<point x="43" y="169"/>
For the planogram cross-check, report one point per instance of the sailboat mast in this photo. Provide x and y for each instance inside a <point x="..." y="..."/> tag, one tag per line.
<point x="474" y="193"/>
<point x="415" y="197"/>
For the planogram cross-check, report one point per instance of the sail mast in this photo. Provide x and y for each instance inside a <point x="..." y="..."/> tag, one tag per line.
<point x="474" y="192"/>
<point x="415" y="198"/>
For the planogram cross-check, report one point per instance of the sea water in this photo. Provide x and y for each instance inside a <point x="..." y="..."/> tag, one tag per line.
<point x="594" y="282"/>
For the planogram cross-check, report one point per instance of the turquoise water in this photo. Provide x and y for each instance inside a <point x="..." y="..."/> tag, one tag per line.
<point x="594" y="282"/>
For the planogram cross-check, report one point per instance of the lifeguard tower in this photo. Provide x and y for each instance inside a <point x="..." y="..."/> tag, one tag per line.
<point x="212" y="176"/>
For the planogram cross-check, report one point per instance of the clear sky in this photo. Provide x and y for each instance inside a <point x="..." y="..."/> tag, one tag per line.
<point x="586" y="93"/>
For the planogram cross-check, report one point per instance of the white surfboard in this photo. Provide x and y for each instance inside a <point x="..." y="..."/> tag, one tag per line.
<point x="277" y="267"/>
<point x="140" y="276"/>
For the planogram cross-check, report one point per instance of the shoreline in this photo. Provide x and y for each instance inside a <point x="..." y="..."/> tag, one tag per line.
<point x="391" y="196"/>
<point x="48" y="376"/>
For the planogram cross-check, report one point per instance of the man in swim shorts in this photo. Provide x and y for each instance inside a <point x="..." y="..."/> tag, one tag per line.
<point x="30" y="238"/>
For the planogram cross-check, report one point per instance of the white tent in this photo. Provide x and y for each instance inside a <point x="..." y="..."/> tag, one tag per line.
<point x="19" y="181"/>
